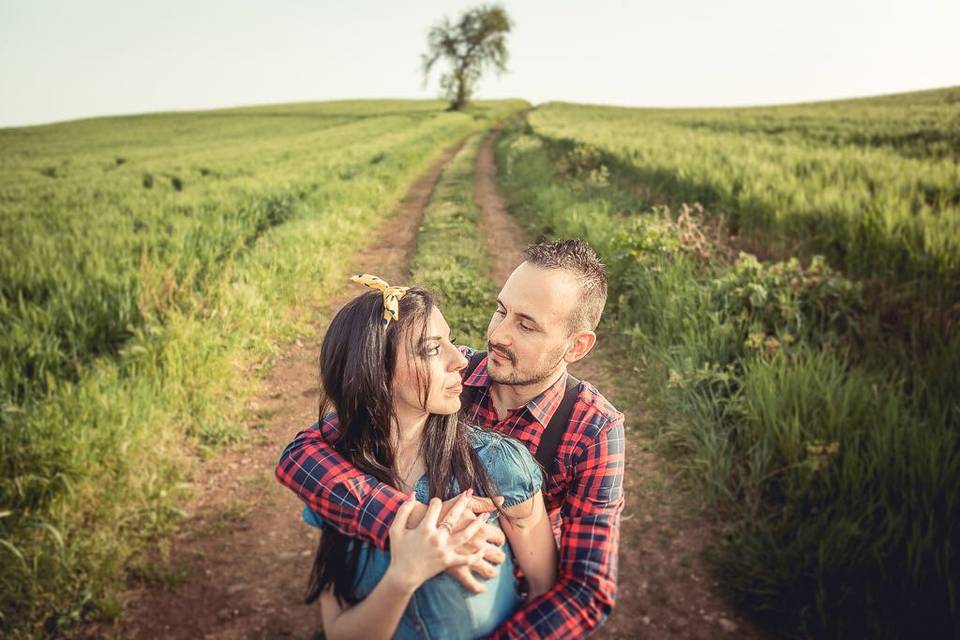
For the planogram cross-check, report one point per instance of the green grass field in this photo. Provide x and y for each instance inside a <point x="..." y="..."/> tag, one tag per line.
<point x="451" y="259"/>
<point x="814" y="399"/>
<point x="150" y="267"/>
<point x="799" y="333"/>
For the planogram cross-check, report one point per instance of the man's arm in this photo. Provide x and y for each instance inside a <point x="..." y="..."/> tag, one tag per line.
<point x="359" y="505"/>
<point x="585" y="593"/>
<point x="356" y="503"/>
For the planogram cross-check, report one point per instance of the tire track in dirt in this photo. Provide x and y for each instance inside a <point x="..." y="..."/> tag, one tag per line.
<point x="665" y="590"/>
<point x="239" y="566"/>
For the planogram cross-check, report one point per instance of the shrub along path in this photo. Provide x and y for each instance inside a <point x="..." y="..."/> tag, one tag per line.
<point x="239" y="567"/>
<point x="665" y="590"/>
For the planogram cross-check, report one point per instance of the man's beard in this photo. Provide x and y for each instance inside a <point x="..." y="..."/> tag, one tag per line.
<point x="516" y="378"/>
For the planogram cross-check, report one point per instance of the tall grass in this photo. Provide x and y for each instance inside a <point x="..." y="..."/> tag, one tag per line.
<point x="137" y="314"/>
<point x="872" y="184"/>
<point x="834" y="463"/>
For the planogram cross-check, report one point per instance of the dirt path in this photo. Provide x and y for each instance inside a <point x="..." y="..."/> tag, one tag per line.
<point x="238" y="569"/>
<point x="664" y="588"/>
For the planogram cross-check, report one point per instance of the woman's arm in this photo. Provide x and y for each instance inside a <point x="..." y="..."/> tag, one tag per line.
<point x="416" y="556"/>
<point x="531" y="538"/>
<point x="376" y="616"/>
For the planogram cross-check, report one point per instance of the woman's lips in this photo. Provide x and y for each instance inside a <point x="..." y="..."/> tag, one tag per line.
<point x="455" y="388"/>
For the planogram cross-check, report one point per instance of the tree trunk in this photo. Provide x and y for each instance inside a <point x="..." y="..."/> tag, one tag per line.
<point x="460" y="100"/>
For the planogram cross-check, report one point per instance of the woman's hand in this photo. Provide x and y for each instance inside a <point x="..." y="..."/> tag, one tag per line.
<point x="418" y="554"/>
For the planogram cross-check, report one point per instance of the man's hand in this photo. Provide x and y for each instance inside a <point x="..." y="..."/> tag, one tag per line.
<point x="488" y="540"/>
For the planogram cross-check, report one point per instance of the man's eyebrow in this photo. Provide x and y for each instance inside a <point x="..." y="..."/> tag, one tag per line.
<point x="522" y="315"/>
<point x="530" y="318"/>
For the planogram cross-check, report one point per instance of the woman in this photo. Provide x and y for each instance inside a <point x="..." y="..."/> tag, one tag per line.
<point x="392" y="373"/>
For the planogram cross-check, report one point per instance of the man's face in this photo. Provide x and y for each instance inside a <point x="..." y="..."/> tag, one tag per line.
<point x="530" y="330"/>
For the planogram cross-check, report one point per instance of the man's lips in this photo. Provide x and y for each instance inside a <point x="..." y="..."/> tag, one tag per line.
<point x="500" y="355"/>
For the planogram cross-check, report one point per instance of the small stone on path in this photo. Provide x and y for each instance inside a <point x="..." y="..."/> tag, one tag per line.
<point x="727" y="625"/>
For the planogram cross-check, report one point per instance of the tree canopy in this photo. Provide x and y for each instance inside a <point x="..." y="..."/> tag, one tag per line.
<point x="471" y="45"/>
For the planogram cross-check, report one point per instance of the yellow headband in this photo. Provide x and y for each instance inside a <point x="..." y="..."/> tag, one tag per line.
<point x="391" y="295"/>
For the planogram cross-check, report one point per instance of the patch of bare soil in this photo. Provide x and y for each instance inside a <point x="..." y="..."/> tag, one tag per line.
<point x="238" y="569"/>
<point x="665" y="590"/>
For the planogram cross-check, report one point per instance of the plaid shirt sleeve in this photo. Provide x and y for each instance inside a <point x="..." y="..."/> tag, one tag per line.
<point x="590" y="517"/>
<point x="357" y="504"/>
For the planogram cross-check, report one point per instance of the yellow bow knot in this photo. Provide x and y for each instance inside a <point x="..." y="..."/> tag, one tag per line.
<point x="391" y="295"/>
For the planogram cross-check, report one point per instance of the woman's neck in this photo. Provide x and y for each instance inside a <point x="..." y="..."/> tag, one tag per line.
<point x="407" y="428"/>
<point x="407" y="432"/>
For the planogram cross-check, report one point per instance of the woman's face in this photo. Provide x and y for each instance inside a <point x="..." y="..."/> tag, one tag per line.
<point x="439" y="363"/>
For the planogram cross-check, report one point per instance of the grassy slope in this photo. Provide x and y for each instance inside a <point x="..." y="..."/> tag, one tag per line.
<point x="835" y="462"/>
<point x="192" y="290"/>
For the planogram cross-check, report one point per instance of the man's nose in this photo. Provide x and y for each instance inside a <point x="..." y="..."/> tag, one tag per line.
<point x="499" y="334"/>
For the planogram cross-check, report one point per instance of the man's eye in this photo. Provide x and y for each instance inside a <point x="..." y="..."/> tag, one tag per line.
<point x="500" y="312"/>
<point x="525" y="327"/>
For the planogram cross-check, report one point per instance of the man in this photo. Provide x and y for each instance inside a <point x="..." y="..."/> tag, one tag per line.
<point x="545" y="320"/>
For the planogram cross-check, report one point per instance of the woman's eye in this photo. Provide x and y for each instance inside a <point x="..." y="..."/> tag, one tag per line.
<point x="433" y="351"/>
<point x="500" y="312"/>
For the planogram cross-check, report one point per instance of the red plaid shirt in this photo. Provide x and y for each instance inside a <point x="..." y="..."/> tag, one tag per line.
<point x="583" y="494"/>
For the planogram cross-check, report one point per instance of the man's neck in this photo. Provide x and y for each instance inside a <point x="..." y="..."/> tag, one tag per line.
<point x="507" y="397"/>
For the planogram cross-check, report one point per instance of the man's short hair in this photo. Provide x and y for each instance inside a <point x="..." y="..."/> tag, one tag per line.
<point x="579" y="258"/>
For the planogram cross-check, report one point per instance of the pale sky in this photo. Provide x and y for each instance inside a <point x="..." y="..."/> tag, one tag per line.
<point x="63" y="60"/>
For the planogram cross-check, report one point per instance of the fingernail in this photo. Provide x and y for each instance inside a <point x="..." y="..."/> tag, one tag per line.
<point x="470" y="491"/>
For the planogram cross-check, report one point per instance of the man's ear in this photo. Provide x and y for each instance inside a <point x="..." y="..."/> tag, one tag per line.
<point x="583" y="342"/>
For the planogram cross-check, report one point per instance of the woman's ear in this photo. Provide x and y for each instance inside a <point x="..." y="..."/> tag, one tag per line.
<point x="583" y="342"/>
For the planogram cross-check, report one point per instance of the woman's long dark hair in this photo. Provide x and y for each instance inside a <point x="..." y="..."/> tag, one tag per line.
<point x="357" y="361"/>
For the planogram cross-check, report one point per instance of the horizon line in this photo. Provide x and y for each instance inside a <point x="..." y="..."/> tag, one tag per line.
<point x="759" y="105"/>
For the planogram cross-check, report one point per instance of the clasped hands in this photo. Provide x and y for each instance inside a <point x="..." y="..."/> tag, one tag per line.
<point x="475" y="544"/>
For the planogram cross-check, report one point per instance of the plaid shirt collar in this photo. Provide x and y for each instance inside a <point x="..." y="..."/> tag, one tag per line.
<point x="540" y="408"/>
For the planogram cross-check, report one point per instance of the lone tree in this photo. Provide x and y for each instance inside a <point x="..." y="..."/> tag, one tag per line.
<point x="471" y="45"/>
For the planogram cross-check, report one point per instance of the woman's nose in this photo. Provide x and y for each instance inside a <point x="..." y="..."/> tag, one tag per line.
<point x="460" y="362"/>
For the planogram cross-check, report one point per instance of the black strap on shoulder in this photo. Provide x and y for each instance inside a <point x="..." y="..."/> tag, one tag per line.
<point x="553" y="432"/>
